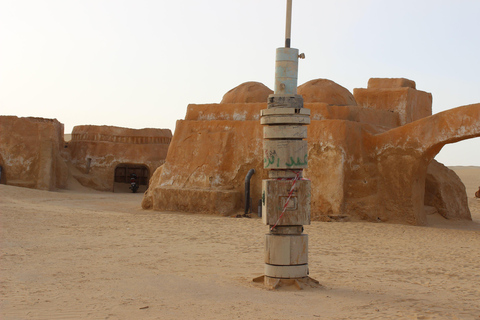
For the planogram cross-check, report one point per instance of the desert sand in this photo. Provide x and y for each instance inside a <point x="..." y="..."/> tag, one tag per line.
<point x="82" y="254"/>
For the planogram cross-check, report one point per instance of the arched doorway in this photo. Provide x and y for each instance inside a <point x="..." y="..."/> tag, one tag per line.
<point x="124" y="171"/>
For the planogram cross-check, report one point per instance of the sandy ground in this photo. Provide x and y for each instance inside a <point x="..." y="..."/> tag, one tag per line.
<point x="79" y="254"/>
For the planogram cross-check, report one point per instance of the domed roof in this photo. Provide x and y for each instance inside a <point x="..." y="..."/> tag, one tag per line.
<point x="247" y="92"/>
<point x="327" y="91"/>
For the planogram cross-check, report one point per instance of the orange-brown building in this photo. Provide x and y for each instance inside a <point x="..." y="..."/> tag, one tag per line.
<point x="105" y="156"/>
<point x="33" y="154"/>
<point x="30" y="153"/>
<point x="370" y="154"/>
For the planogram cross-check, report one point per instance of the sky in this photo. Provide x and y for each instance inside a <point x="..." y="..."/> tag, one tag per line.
<point x="138" y="64"/>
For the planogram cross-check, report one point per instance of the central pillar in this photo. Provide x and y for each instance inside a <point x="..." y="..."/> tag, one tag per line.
<point x="286" y="193"/>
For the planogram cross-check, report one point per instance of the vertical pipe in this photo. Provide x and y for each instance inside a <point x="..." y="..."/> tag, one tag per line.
<point x="247" y="190"/>
<point x="288" y="26"/>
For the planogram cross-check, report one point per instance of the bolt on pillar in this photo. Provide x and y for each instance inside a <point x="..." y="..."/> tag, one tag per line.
<point x="285" y="194"/>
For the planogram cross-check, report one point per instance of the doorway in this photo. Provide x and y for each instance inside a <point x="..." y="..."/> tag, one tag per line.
<point x="3" y="177"/>
<point x="123" y="173"/>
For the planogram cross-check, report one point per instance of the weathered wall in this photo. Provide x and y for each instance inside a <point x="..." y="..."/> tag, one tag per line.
<point x="30" y="152"/>
<point x="95" y="151"/>
<point x="445" y="191"/>
<point x="363" y="162"/>
<point x="210" y="154"/>
<point x="395" y="95"/>
<point x="216" y="145"/>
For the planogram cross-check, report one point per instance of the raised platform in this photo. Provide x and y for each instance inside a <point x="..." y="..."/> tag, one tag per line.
<point x="225" y="202"/>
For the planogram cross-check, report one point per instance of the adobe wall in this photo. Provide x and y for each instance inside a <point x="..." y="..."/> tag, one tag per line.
<point x="358" y="167"/>
<point x="30" y="153"/>
<point x="95" y="152"/>
<point x="396" y="95"/>
<point x="217" y="144"/>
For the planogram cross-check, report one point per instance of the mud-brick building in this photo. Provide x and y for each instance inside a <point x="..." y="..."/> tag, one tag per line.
<point x="34" y="154"/>
<point x="30" y="153"/>
<point x="370" y="154"/>
<point x="103" y="157"/>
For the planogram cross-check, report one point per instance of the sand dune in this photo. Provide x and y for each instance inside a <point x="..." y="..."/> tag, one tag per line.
<point x="93" y="255"/>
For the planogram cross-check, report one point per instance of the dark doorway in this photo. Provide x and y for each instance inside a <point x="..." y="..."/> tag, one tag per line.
<point x="3" y="178"/>
<point x="124" y="171"/>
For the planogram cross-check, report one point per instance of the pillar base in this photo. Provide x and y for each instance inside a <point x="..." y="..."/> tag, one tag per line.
<point x="278" y="283"/>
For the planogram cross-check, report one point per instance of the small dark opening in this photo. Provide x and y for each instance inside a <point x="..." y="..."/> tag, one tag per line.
<point x="123" y="173"/>
<point x="3" y="178"/>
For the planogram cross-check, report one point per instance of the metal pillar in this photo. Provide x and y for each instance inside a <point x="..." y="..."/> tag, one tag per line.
<point x="286" y="194"/>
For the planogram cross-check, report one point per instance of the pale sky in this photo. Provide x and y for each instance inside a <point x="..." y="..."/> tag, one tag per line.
<point x="139" y="63"/>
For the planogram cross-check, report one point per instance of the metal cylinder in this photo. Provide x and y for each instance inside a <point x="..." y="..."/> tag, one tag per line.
<point x="286" y="71"/>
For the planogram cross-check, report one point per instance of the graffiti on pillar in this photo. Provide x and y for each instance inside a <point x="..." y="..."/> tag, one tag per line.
<point x="270" y="158"/>
<point x="298" y="163"/>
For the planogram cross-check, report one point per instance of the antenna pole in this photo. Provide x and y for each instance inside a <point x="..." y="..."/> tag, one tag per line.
<point x="288" y="26"/>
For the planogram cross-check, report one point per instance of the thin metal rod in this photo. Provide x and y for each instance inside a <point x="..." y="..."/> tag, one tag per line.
<point x="288" y="27"/>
